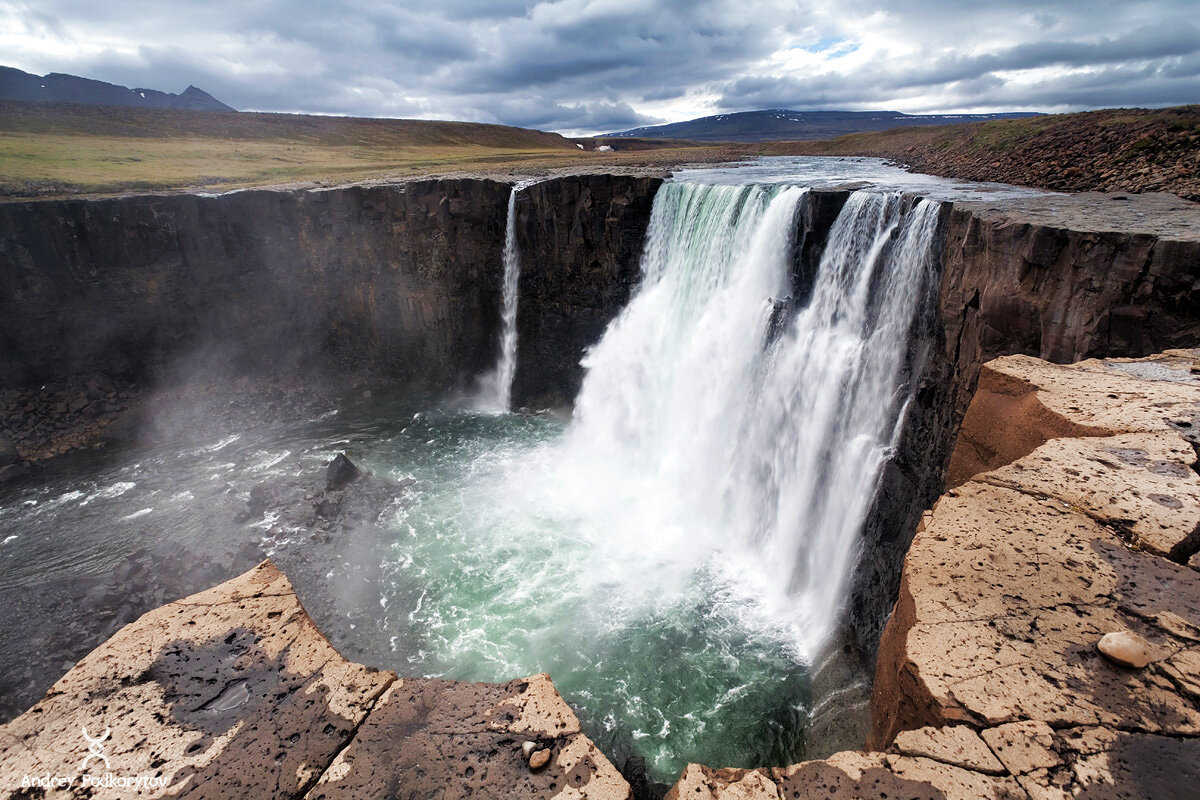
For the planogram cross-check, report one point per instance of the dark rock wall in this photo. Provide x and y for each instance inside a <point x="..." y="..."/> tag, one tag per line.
<point x="581" y="239"/>
<point x="1011" y="286"/>
<point x="399" y="281"/>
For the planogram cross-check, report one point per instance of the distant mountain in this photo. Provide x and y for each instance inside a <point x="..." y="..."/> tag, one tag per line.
<point x="777" y="124"/>
<point x="59" y="88"/>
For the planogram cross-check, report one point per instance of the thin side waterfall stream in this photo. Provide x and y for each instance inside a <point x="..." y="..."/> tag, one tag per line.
<point x="495" y="388"/>
<point x="675" y="556"/>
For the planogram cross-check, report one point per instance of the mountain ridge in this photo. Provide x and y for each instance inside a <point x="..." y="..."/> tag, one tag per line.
<point x="782" y="124"/>
<point x="59" y="87"/>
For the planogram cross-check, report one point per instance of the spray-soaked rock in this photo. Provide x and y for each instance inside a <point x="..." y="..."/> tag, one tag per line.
<point x="340" y="473"/>
<point x="8" y="453"/>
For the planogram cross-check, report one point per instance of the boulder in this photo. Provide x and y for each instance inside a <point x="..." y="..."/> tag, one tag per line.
<point x="1126" y="648"/>
<point x="340" y="473"/>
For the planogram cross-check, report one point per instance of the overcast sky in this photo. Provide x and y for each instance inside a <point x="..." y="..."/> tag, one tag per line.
<point x="584" y="66"/>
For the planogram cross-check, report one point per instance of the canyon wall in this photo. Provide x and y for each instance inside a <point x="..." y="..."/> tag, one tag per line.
<point x="400" y="280"/>
<point x="1063" y="278"/>
<point x="401" y="284"/>
<point x="397" y="283"/>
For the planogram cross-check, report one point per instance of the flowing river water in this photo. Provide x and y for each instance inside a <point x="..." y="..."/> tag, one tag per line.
<point x="676" y="554"/>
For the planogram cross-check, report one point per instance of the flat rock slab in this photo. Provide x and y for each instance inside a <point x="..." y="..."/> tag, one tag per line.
<point x="1152" y="213"/>
<point x="234" y="692"/>
<point x="448" y="739"/>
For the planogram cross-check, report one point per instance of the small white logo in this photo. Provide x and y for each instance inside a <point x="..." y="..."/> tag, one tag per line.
<point x="95" y="748"/>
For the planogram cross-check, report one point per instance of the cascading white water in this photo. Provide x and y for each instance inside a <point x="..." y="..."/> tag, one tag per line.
<point x="672" y="556"/>
<point x="495" y="388"/>
<point x="766" y="447"/>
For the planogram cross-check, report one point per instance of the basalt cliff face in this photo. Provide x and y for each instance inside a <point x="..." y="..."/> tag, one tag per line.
<point x="399" y="280"/>
<point x="580" y="240"/>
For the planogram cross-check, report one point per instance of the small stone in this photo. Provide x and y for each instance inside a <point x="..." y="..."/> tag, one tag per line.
<point x="527" y="748"/>
<point x="1125" y="648"/>
<point x="539" y="759"/>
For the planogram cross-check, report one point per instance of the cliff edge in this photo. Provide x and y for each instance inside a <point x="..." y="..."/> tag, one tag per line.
<point x="1046" y="640"/>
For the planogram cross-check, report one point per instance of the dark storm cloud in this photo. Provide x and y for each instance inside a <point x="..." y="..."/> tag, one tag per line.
<point x="600" y="65"/>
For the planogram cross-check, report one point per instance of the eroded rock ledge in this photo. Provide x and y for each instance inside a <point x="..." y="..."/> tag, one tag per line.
<point x="234" y="692"/>
<point x="1077" y="514"/>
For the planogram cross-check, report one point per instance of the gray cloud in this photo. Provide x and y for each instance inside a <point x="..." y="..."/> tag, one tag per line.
<point x="596" y="65"/>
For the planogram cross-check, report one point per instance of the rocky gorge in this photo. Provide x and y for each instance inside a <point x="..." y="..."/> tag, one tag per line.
<point x="370" y="285"/>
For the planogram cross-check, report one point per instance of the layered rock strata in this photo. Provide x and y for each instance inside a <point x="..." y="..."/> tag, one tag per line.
<point x="234" y="692"/>
<point x="1078" y="515"/>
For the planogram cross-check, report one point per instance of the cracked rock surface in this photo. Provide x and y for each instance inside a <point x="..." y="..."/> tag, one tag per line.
<point x="1076" y="514"/>
<point x="234" y="692"/>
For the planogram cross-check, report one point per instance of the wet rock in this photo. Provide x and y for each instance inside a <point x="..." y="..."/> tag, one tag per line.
<point x="8" y="452"/>
<point x="1125" y="648"/>
<point x="69" y="616"/>
<point x="340" y="473"/>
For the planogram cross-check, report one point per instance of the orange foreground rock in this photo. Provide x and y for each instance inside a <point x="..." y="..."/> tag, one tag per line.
<point x="1076" y="514"/>
<point x="235" y="693"/>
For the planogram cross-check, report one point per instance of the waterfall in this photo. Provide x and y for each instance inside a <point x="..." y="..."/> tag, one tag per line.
<point x="495" y="388"/>
<point x="763" y="439"/>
